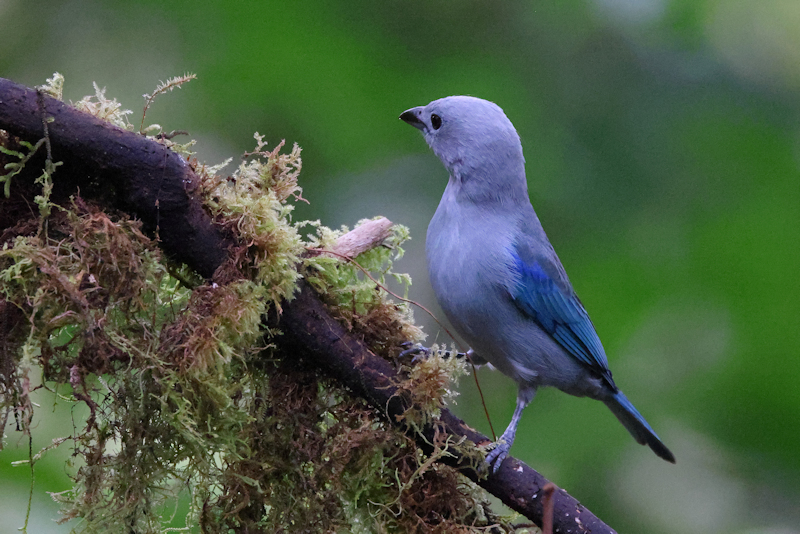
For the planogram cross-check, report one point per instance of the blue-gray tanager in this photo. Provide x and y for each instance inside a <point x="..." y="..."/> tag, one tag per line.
<point x="496" y="275"/>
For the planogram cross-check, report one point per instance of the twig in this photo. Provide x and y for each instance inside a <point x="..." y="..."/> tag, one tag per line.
<point x="366" y="237"/>
<point x="547" y="506"/>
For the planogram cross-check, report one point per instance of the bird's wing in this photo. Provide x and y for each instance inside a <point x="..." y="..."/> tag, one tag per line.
<point x="543" y="292"/>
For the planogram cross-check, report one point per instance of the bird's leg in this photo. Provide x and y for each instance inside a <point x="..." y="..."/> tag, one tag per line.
<point x="501" y="447"/>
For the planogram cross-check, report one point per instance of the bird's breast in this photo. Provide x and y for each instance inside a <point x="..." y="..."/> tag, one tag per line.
<point x="469" y="260"/>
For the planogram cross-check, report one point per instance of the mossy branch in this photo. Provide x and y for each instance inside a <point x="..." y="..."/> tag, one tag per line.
<point x="129" y="172"/>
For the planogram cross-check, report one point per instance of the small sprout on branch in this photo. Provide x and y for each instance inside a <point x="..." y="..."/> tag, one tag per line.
<point x="161" y="88"/>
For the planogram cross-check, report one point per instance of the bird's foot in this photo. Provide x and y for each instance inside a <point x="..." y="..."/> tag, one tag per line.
<point x="497" y="453"/>
<point x="419" y="351"/>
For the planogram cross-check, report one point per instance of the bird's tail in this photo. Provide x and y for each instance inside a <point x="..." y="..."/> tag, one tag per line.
<point x="637" y="426"/>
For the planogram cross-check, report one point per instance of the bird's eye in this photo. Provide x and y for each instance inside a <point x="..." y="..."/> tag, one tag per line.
<point x="436" y="121"/>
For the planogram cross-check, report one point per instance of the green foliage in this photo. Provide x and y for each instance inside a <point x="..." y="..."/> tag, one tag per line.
<point x="252" y="204"/>
<point x="187" y="400"/>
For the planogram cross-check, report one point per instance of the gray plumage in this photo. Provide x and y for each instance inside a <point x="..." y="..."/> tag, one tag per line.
<point x="496" y="275"/>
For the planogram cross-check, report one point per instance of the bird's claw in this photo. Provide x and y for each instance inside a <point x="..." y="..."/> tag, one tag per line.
<point x="419" y="351"/>
<point x="497" y="453"/>
<point x="414" y="349"/>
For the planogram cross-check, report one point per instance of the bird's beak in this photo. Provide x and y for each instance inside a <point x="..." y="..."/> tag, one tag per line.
<point x="411" y="116"/>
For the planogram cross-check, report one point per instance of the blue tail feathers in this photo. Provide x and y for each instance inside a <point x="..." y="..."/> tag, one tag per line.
<point x="631" y="419"/>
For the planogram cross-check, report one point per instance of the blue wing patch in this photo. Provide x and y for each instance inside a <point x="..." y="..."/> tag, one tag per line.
<point x="560" y="313"/>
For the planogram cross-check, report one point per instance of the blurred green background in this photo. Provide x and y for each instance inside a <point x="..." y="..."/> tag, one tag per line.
<point x="663" y="151"/>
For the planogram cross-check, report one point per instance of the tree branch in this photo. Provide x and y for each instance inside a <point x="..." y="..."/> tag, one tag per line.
<point x="129" y="172"/>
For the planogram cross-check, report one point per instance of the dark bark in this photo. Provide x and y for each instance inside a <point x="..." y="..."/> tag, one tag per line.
<point x="131" y="173"/>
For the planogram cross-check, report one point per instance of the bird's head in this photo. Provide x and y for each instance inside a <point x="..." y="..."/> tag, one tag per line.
<point x="472" y="137"/>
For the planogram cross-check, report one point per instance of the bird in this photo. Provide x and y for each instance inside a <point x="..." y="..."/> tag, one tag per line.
<point x="498" y="279"/>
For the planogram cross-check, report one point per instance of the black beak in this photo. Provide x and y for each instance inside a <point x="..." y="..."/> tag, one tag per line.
<point x="411" y="116"/>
